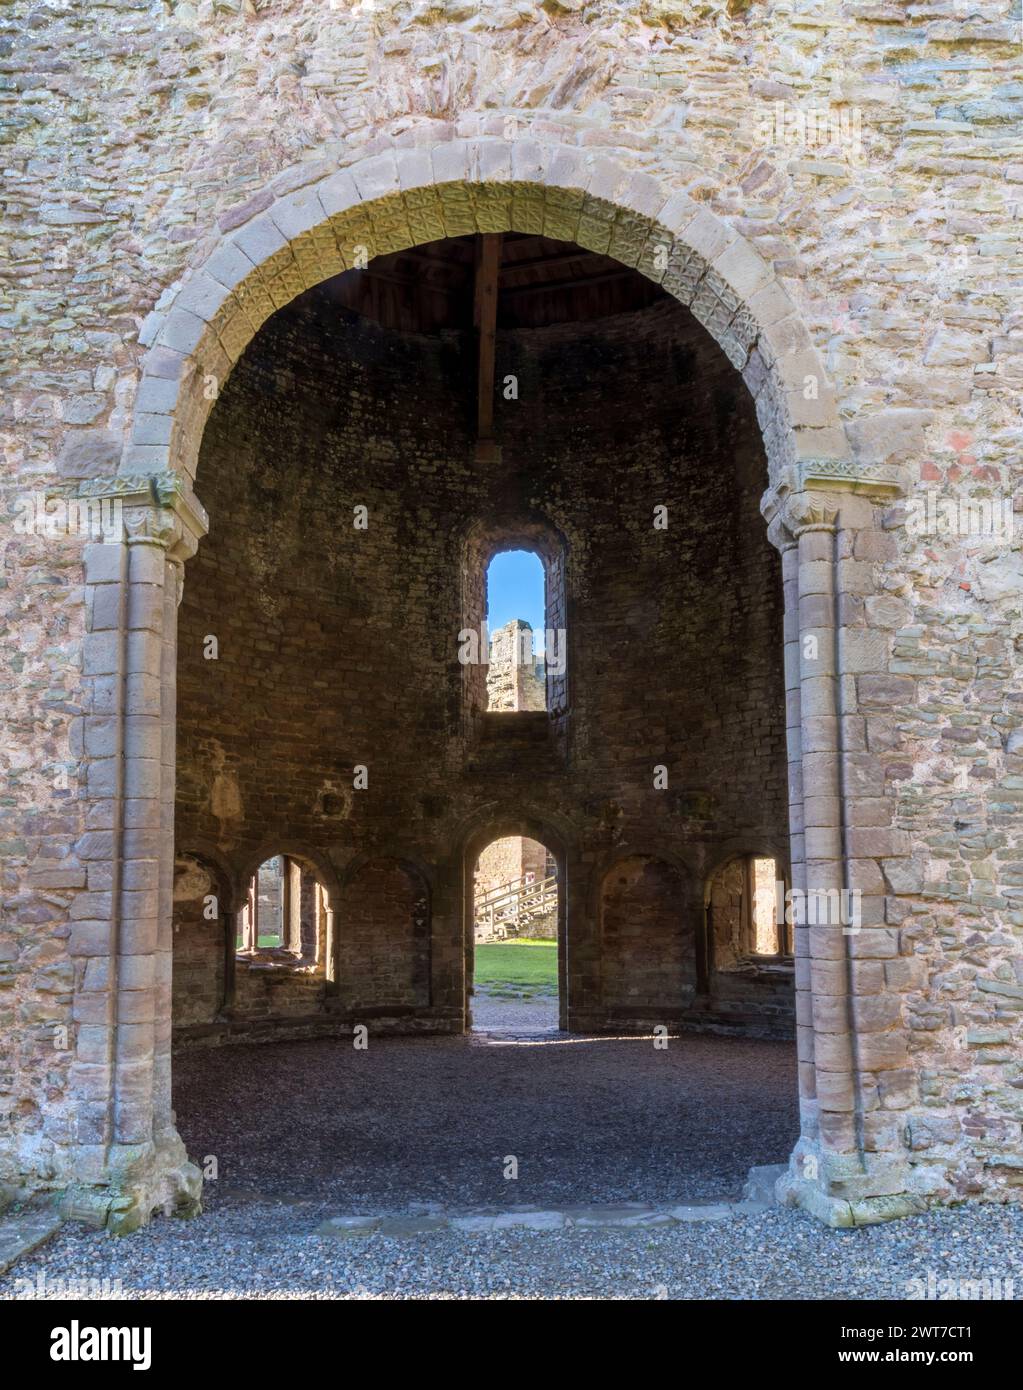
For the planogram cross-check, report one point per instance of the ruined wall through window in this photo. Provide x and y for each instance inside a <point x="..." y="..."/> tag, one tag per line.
<point x="746" y="913"/>
<point x="283" y="912"/>
<point x="513" y="644"/>
<point x="516" y="672"/>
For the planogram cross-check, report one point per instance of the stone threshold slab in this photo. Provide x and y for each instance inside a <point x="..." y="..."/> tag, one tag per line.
<point x="627" y="1216"/>
<point x="24" y="1232"/>
<point x="424" y="1218"/>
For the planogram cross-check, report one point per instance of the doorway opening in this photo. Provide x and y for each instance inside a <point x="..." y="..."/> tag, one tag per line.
<point x="512" y="966"/>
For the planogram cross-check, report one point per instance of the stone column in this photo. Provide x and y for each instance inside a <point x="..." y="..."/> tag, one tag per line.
<point x="814" y="526"/>
<point x="829" y="1172"/>
<point x="129" y="1157"/>
<point x="786" y="543"/>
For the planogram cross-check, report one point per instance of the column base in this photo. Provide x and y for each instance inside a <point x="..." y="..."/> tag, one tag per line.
<point x="846" y="1190"/>
<point x="140" y="1181"/>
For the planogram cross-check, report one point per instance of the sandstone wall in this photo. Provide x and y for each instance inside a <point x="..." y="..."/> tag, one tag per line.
<point x="136" y="131"/>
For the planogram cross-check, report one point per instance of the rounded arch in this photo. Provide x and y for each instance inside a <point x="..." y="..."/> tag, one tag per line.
<point x="405" y="197"/>
<point x="211" y="858"/>
<point x="413" y="867"/>
<point x="743" y="847"/>
<point x="317" y="863"/>
<point x="489" y="535"/>
<point x="675" y="856"/>
<point x="496" y="822"/>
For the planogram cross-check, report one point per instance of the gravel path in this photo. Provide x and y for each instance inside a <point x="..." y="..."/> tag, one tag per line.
<point x="433" y="1119"/>
<point x="268" y="1251"/>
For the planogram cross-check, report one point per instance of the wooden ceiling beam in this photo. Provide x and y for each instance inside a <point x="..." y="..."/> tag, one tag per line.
<point x="553" y="262"/>
<point x="582" y="283"/>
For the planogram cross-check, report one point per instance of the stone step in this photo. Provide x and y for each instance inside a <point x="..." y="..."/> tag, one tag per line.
<point x="24" y="1231"/>
<point x="761" y="1182"/>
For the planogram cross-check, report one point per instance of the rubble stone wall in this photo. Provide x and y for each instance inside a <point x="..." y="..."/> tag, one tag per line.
<point x="865" y="283"/>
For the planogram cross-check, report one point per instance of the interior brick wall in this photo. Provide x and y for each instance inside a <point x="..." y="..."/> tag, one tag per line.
<point x="337" y="647"/>
<point x="385" y="946"/>
<point x="648" y="953"/>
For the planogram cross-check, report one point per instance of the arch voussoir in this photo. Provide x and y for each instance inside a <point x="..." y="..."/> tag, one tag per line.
<point x="403" y="197"/>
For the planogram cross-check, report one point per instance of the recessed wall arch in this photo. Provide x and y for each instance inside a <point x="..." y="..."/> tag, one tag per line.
<point x="213" y="858"/>
<point x="648" y="940"/>
<point x="384" y="923"/>
<point x="743" y="846"/>
<point x="203" y="948"/>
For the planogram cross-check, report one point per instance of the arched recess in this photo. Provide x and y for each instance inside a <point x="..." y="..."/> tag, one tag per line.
<point x="203" y="924"/>
<point x="749" y="985"/>
<point x="384" y="929"/>
<point x="397" y="200"/>
<point x="497" y="825"/>
<point x="294" y="979"/>
<point x="729" y="852"/>
<point x="648" y="943"/>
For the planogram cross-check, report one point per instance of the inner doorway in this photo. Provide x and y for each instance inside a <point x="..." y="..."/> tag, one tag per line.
<point x="515" y="937"/>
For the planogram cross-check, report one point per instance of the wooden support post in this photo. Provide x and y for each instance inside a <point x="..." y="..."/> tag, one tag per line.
<point x="488" y="265"/>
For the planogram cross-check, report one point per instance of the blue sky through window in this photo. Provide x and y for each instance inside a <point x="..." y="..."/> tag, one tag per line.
<point x="515" y="589"/>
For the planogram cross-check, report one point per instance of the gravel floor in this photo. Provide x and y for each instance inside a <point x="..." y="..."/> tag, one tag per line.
<point x="433" y="1119"/>
<point x="268" y="1251"/>
<point x="307" y="1130"/>
<point x="514" y="1015"/>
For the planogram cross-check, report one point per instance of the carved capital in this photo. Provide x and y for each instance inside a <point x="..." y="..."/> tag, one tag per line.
<point x="153" y="509"/>
<point x="789" y="515"/>
<point x="803" y="512"/>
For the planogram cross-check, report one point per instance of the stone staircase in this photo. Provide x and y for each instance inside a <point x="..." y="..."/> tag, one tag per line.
<point x="513" y="907"/>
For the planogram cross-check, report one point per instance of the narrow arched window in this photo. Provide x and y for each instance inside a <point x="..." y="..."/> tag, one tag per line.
<point x="516" y="622"/>
<point x="513" y="645"/>
<point x="284" y="913"/>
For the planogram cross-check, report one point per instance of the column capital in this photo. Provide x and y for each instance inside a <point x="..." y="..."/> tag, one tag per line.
<point x="152" y="509"/>
<point x="825" y="485"/>
<point x="791" y="515"/>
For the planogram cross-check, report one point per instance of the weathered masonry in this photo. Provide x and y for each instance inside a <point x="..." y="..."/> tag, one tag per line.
<point x="723" y="390"/>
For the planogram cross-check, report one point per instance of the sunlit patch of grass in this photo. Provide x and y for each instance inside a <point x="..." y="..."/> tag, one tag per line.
<point x="519" y="969"/>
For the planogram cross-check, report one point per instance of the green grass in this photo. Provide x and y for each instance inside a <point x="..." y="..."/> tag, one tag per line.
<point x="517" y="969"/>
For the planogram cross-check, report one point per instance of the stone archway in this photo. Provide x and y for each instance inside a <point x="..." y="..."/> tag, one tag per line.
<point x="818" y="500"/>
